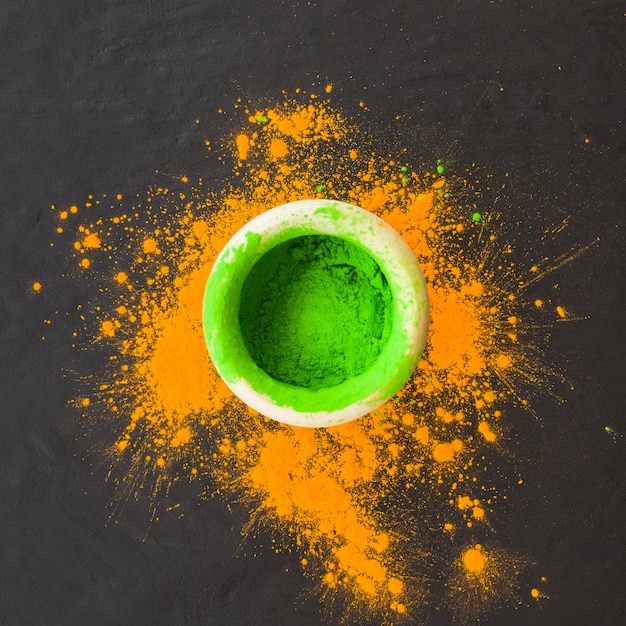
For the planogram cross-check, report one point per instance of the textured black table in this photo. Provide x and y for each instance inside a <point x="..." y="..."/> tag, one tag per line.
<point x="96" y="96"/>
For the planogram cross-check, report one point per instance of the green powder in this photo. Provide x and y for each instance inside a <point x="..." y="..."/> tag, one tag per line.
<point x="315" y="311"/>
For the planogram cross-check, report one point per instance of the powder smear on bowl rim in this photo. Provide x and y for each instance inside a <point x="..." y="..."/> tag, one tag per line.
<point x="390" y="514"/>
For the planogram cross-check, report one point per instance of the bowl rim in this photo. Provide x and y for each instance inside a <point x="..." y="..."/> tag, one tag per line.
<point x="356" y="396"/>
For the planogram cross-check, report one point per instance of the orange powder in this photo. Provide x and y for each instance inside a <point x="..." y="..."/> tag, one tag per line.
<point x="332" y="491"/>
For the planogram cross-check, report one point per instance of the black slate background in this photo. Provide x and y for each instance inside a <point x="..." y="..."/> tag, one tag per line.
<point x="96" y="96"/>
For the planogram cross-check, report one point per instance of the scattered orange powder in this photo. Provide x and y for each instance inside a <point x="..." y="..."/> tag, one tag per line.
<point x="474" y="560"/>
<point x="333" y="492"/>
<point x="36" y="286"/>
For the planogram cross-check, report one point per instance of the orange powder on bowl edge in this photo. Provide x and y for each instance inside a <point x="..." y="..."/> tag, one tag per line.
<point x="342" y="495"/>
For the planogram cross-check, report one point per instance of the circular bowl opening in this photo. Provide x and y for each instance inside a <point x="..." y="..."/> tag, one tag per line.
<point x="315" y="313"/>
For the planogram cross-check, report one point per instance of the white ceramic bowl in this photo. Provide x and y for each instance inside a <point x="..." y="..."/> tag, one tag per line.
<point x="356" y="396"/>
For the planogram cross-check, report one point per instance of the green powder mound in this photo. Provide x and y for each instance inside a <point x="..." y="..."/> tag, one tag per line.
<point x="315" y="311"/>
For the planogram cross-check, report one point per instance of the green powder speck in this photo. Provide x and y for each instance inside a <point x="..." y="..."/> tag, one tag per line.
<point x="476" y="217"/>
<point x="315" y="311"/>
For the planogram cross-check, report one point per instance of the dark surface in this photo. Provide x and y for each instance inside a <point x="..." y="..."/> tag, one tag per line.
<point x="95" y="97"/>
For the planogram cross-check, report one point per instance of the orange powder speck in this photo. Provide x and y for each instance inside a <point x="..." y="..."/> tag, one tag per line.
<point x="118" y="196"/>
<point x="485" y="430"/>
<point x="149" y="246"/>
<point x="489" y="396"/>
<point x="443" y="452"/>
<point x="474" y="560"/>
<point x="503" y="361"/>
<point x="538" y="303"/>
<point x="161" y="462"/>
<point x="63" y="215"/>
<point x="243" y="146"/>
<point x="182" y="437"/>
<point x="107" y="329"/>
<point x="328" y="88"/>
<point x="92" y="241"/>
<point x="85" y="262"/>
<point x="353" y="154"/>
<point x="278" y="149"/>
<point x="561" y="312"/>
<point x="85" y="402"/>
<point x="74" y="209"/>
<point x="464" y="502"/>
<point x="478" y="512"/>
<point x="395" y="586"/>
<point x="121" y="277"/>
<point x="36" y="286"/>
<point x="122" y="444"/>
<point x="421" y="434"/>
<point x="449" y="527"/>
<point x="534" y="593"/>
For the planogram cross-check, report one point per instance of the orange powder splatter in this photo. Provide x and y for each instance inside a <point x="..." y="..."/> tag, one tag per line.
<point x="481" y="579"/>
<point x="474" y="560"/>
<point x="278" y="149"/>
<point x="243" y="145"/>
<point x="92" y="240"/>
<point x="333" y="492"/>
<point x="485" y="430"/>
<point x="150" y="246"/>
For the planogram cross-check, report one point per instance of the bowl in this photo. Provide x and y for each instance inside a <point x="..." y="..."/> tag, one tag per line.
<point x="315" y="313"/>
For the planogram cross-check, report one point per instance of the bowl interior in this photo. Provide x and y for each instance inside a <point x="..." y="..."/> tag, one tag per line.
<point x="315" y="311"/>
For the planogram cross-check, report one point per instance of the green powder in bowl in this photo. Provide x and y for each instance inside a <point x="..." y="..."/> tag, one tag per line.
<point x="315" y="313"/>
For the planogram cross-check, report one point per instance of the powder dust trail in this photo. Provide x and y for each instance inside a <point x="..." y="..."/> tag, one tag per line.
<point x="379" y="507"/>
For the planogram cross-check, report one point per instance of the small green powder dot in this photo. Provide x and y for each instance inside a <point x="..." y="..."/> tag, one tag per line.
<point x="440" y="169"/>
<point x="262" y="119"/>
<point x="320" y="188"/>
<point x="404" y="168"/>
<point x="476" y="217"/>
